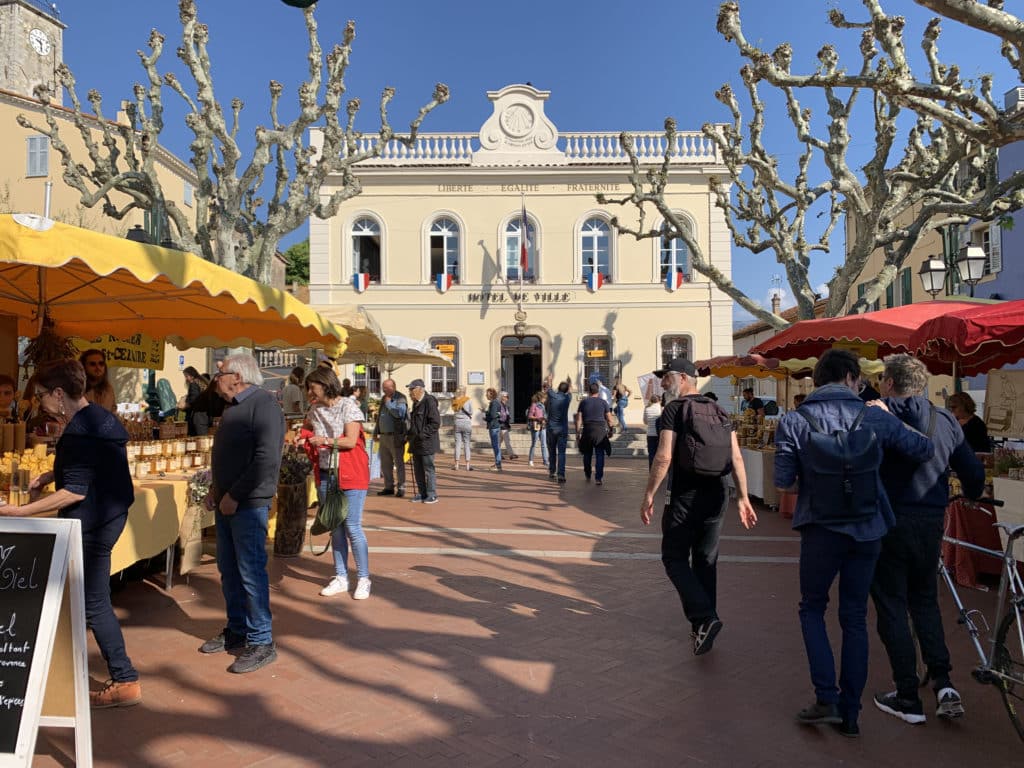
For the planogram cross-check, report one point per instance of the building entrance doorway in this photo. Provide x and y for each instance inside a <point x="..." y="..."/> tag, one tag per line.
<point x="520" y="373"/>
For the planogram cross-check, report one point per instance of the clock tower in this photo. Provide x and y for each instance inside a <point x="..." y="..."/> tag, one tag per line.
<point x="31" y="46"/>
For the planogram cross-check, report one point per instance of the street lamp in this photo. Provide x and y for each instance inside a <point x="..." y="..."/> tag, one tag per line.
<point x="971" y="265"/>
<point x="933" y="275"/>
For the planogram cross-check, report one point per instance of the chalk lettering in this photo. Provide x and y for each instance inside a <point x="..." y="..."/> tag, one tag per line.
<point x="8" y="628"/>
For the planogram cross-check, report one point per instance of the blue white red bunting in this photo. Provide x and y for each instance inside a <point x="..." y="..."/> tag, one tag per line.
<point x="673" y="280"/>
<point x="443" y="281"/>
<point x="360" y="281"/>
<point x="594" y="281"/>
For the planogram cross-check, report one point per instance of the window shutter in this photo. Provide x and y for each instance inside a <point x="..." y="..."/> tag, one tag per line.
<point x="38" y="156"/>
<point x="907" y="284"/>
<point x="995" y="247"/>
<point x="860" y="290"/>
<point x="890" y="295"/>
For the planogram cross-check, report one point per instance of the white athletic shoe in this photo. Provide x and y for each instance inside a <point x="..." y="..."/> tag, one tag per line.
<point x="335" y="586"/>
<point x="362" y="590"/>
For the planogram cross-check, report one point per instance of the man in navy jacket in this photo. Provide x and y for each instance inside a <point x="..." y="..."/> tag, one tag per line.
<point x="905" y="574"/>
<point x="846" y="549"/>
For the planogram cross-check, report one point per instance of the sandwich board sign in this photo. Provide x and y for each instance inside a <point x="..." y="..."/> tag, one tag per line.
<point x="40" y="579"/>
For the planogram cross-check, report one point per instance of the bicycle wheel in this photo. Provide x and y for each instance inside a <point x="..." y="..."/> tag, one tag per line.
<point x="1008" y="659"/>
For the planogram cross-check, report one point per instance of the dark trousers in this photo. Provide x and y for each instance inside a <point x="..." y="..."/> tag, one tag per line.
<point x="652" y="448"/>
<point x="906" y="582"/>
<point x="590" y="459"/>
<point x="99" y="612"/>
<point x="558" y="437"/>
<point x="690" y="527"/>
<point x="824" y="554"/>
<point x="426" y="475"/>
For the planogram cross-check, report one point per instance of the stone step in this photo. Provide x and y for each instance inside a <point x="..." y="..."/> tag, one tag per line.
<point x="633" y="442"/>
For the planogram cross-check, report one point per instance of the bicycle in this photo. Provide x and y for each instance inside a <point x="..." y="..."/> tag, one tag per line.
<point x="1003" y="664"/>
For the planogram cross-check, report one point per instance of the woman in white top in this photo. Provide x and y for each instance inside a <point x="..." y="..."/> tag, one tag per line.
<point x="651" y="415"/>
<point x="335" y="419"/>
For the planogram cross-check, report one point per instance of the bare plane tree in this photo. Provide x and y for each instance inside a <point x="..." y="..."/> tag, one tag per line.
<point x="233" y="224"/>
<point x="933" y="164"/>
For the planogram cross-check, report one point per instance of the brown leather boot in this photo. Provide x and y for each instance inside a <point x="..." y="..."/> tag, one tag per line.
<point x="116" y="695"/>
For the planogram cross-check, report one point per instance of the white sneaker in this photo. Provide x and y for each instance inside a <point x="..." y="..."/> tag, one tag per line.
<point x="335" y="586"/>
<point x="531" y="463"/>
<point x="362" y="590"/>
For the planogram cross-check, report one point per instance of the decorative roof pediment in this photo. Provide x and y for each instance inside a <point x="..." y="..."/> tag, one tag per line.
<point x="518" y="132"/>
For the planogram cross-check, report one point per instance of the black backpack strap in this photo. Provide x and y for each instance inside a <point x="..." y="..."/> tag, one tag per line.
<point x="811" y="420"/>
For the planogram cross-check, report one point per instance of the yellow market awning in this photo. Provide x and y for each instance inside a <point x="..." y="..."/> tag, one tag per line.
<point x="90" y="284"/>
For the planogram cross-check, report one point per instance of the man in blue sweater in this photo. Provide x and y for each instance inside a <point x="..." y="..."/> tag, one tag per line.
<point x="844" y="549"/>
<point x="905" y="579"/>
<point x="246" y="462"/>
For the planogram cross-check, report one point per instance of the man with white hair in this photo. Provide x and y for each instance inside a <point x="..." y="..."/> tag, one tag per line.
<point x="697" y="441"/>
<point x="246" y="461"/>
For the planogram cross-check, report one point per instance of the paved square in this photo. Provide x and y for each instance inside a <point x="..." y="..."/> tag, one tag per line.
<point x="517" y="622"/>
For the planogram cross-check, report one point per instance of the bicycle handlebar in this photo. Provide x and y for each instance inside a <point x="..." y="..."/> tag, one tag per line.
<point x="983" y="500"/>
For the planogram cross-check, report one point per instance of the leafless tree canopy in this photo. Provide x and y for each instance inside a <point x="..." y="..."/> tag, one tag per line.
<point x="936" y="138"/>
<point x="232" y="223"/>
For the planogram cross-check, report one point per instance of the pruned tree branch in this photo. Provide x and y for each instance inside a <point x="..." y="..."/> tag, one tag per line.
<point x="939" y="172"/>
<point x="240" y="214"/>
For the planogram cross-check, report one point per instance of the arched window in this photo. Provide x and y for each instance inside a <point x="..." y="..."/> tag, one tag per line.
<point x="514" y="247"/>
<point x="445" y="381"/>
<point x="594" y="248"/>
<point x="444" y="249"/>
<point x="674" y="257"/>
<point x="366" y="248"/>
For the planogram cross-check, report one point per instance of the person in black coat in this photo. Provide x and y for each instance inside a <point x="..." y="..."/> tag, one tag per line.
<point x="424" y="441"/>
<point x="963" y="407"/>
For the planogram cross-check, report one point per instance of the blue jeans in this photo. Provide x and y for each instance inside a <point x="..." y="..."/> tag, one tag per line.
<point x="242" y="562"/>
<point x="540" y="435"/>
<point x="558" y="436"/>
<point x="495" y="434"/>
<point x="349" y="531"/>
<point x="824" y="554"/>
<point x="620" y="413"/>
<point x="99" y="613"/>
<point x="426" y="475"/>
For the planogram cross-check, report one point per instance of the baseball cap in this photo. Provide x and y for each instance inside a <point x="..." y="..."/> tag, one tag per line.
<point x="416" y="383"/>
<point x="679" y="365"/>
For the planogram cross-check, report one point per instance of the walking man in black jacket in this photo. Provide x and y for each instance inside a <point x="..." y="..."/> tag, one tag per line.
<point x="905" y="579"/>
<point x="424" y="442"/>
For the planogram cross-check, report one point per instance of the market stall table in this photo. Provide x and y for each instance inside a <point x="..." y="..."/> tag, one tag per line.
<point x="760" y="468"/>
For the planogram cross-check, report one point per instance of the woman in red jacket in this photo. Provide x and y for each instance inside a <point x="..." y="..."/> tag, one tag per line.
<point x="337" y="420"/>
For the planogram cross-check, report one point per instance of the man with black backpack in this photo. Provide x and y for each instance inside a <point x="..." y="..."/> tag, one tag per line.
<point x="697" y="441"/>
<point x="830" y="451"/>
<point x="905" y="580"/>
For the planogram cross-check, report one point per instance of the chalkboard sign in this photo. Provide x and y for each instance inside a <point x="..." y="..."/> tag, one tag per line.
<point x="33" y="568"/>
<point x="24" y="566"/>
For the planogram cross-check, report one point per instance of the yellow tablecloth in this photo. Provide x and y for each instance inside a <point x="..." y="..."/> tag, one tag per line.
<point x="153" y="521"/>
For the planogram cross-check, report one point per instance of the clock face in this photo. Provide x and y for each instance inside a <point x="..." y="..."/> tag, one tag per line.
<point x="40" y="42"/>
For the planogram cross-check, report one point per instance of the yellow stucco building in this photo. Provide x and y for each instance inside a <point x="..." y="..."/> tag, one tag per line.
<point x="452" y="207"/>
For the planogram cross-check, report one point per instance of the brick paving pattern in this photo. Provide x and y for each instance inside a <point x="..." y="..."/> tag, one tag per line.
<point x="517" y="622"/>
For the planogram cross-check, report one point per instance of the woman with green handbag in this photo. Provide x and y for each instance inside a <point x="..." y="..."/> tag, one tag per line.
<point x="336" y="422"/>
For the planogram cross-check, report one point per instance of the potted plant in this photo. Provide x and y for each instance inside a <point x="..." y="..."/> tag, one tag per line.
<point x="292" y="503"/>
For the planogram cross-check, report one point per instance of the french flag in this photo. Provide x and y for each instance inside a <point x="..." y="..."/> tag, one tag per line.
<point x="524" y="253"/>
<point x="360" y="281"/>
<point x="443" y="281"/>
<point x="594" y="281"/>
<point x="673" y="279"/>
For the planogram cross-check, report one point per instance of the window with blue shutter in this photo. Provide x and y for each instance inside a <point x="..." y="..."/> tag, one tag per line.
<point x="38" y="156"/>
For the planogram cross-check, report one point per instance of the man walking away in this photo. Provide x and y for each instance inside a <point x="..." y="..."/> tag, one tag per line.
<point x="424" y="442"/>
<point x="833" y="446"/>
<point x="246" y="461"/>
<point x="593" y="424"/>
<point x="698" y="444"/>
<point x="905" y="574"/>
<point x="391" y="439"/>
<point x="558" y="427"/>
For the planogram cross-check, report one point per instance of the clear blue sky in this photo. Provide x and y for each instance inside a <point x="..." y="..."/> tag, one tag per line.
<point x="609" y="65"/>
